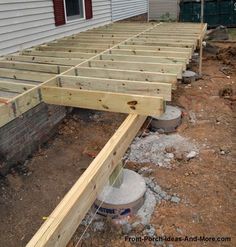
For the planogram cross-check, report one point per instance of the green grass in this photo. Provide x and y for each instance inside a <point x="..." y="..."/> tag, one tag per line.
<point x="232" y="33"/>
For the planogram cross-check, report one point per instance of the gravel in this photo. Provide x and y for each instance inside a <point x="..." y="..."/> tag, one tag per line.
<point x="152" y="149"/>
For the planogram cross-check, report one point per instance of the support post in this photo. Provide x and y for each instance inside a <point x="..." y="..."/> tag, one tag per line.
<point x="116" y="178"/>
<point x="201" y="37"/>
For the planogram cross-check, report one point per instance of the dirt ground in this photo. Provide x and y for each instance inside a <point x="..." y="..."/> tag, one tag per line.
<point x="205" y="184"/>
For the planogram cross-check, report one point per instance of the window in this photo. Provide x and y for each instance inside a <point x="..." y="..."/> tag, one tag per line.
<point x="74" y="9"/>
<point x="68" y="10"/>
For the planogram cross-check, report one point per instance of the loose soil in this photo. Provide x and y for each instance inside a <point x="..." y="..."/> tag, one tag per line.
<point x="206" y="184"/>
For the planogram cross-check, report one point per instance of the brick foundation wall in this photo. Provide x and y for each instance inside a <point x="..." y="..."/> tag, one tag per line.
<point x="23" y="136"/>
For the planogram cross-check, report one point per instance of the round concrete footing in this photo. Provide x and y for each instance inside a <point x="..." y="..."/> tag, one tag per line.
<point x="169" y="121"/>
<point x="123" y="201"/>
<point x="189" y="77"/>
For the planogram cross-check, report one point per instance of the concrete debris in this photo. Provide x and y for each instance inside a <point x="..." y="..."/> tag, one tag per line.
<point x="145" y="171"/>
<point x="192" y="117"/>
<point x="126" y="228"/>
<point x="156" y="189"/>
<point x="98" y="226"/>
<point x="191" y="155"/>
<point x="150" y="231"/>
<point x="155" y="149"/>
<point x="175" y="199"/>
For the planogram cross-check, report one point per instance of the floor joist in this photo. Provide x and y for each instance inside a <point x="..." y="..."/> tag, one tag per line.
<point x="159" y="89"/>
<point x="125" y="74"/>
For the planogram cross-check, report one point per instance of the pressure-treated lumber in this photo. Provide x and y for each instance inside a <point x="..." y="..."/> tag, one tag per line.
<point x="93" y="37"/>
<point x="58" y="54"/>
<point x="32" y="64"/>
<point x="78" y="44"/>
<point x="69" y="49"/>
<point x="45" y="60"/>
<point x="158" y="48"/>
<point x="9" y="111"/>
<point x="125" y="74"/>
<point x="139" y="66"/>
<point x="25" y="75"/>
<point x="178" y="55"/>
<point x="105" y="101"/>
<point x="170" y="35"/>
<point x="118" y="86"/>
<point x="159" y="43"/>
<point x="14" y="87"/>
<point x="136" y="58"/>
<point x="64" y="220"/>
<point x="55" y="69"/>
<point x="167" y="39"/>
<point x="19" y="105"/>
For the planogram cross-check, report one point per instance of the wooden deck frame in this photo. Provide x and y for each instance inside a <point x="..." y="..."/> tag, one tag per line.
<point x="71" y="87"/>
<point x="36" y="66"/>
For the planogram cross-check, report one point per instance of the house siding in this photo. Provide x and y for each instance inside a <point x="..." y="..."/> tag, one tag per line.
<point x="23" y="25"/>
<point x="158" y="8"/>
<point x="122" y="9"/>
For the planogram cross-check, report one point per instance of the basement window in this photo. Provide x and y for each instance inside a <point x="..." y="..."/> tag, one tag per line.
<point x="74" y="9"/>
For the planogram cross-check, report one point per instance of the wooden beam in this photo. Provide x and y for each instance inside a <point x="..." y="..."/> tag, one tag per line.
<point x="101" y="41"/>
<point x="4" y="99"/>
<point x="14" y="87"/>
<point x="25" y="75"/>
<point x="177" y="42"/>
<point x="64" y="220"/>
<point x="69" y="49"/>
<point x="104" y="101"/>
<point x="146" y="59"/>
<point x="33" y="67"/>
<point x="98" y="38"/>
<point x="74" y="44"/>
<point x="158" y="48"/>
<point x="19" y="105"/>
<point x="169" y="54"/>
<point x="45" y="60"/>
<point x="158" y="43"/>
<point x="124" y="33"/>
<point x="118" y="86"/>
<point x="139" y="66"/>
<point x="125" y="74"/>
<point x="170" y="34"/>
<point x="89" y="35"/>
<point x="167" y="39"/>
<point x="59" y="54"/>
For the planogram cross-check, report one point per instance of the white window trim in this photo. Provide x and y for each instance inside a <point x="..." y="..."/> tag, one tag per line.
<point x="79" y="19"/>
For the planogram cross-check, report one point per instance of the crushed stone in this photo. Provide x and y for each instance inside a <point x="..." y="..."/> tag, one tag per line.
<point x="152" y="149"/>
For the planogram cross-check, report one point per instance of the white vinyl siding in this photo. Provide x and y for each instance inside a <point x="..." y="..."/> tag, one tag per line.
<point x="122" y="9"/>
<point x="160" y="9"/>
<point x="25" y="24"/>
